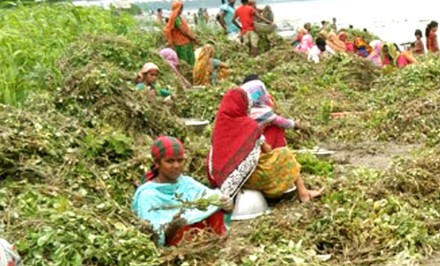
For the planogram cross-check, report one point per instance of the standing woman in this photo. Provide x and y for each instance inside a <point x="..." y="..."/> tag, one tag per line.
<point x="179" y="35"/>
<point x="431" y="37"/>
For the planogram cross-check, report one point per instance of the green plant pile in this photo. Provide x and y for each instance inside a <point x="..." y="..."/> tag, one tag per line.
<point x="32" y="41"/>
<point x="71" y="152"/>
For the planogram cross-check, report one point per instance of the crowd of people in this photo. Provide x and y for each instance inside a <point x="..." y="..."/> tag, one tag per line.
<point x="327" y="40"/>
<point x="248" y="145"/>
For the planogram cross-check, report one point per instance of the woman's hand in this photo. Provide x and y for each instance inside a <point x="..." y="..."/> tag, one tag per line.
<point x="172" y="227"/>
<point x="266" y="148"/>
<point x="226" y="204"/>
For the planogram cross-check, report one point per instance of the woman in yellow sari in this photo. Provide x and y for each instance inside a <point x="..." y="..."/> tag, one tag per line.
<point x="207" y="69"/>
<point x="179" y="35"/>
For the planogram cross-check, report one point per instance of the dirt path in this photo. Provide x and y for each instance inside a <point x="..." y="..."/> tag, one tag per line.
<point x="374" y="155"/>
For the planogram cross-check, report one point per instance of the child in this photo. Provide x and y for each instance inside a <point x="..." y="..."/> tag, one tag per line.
<point x="419" y="48"/>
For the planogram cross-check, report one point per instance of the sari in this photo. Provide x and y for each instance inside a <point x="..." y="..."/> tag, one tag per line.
<point x="348" y="45"/>
<point x="374" y="56"/>
<point x="181" y="43"/>
<point x="361" y="47"/>
<point x="389" y="54"/>
<point x="273" y="125"/>
<point x="208" y="70"/>
<point x="306" y="43"/>
<point x="158" y="203"/>
<point x="235" y="158"/>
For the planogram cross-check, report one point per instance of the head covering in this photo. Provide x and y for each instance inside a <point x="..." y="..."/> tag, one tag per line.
<point x="361" y="47"/>
<point x="391" y="55"/>
<point x="202" y="72"/>
<point x="147" y="68"/>
<point x="174" y="36"/>
<point x="256" y="89"/>
<point x="9" y="254"/>
<point x="163" y="147"/>
<point x="374" y="56"/>
<point x="170" y="56"/>
<point x="343" y="36"/>
<point x="306" y="43"/>
<point x="234" y="137"/>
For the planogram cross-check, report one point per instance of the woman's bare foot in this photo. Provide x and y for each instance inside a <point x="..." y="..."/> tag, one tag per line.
<point x="310" y="194"/>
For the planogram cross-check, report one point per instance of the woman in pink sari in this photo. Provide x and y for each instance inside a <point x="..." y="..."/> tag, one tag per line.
<point x="306" y="43"/>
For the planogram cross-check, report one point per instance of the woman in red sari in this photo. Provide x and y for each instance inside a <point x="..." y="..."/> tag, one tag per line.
<point x="240" y="157"/>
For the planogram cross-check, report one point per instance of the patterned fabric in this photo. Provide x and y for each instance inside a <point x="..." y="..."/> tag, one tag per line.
<point x="203" y="68"/>
<point x="163" y="147"/>
<point x="171" y="31"/>
<point x="239" y="176"/>
<point x="158" y="203"/>
<point x="361" y="47"/>
<point x="8" y="254"/>
<point x="166" y="147"/>
<point x="186" y="53"/>
<point x="276" y="172"/>
<point x="234" y="136"/>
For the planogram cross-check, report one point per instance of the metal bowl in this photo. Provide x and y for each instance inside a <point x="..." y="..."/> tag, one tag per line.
<point x="195" y="124"/>
<point x="249" y="205"/>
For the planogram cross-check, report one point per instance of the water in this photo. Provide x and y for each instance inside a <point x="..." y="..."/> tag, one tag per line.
<point x="391" y="20"/>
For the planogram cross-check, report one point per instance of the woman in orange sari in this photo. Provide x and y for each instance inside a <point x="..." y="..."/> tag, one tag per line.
<point x="207" y="69"/>
<point x="179" y="35"/>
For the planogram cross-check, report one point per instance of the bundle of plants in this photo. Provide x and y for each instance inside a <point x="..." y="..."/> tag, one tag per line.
<point x="102" y="92"/>
<point x="352" y="71"/>
<point x="33" y="145"/>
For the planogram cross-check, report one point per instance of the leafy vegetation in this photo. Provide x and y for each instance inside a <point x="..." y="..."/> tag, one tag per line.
<point x="71" y="152"/>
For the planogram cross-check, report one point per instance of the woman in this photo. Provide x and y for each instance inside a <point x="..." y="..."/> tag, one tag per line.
<point x="171" y="57"/>
<point x="207" y="69"/>
<point x="305" y="44"/>
<point x="391" y="56"/>
<point x="164" y="191"/>
<point x="146" y="80"/>
<point x="320" y="49"/>
<point x="361" y="47"/>
<point x="335" y="43"/>
<point x="262" y="112"/>
<point x="239" y="156"/>
<point x="179" y="35"/>
<point x="431" y="37"/>
<point x="344" y="38"/>
<point x="374" y="56"/>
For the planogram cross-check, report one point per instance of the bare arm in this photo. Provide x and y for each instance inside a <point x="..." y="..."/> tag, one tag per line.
<point x="263" y="18"/>
<point x="234" y="20"/>
<point x="221" y="19"/>
<point x="266" y="148"/>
